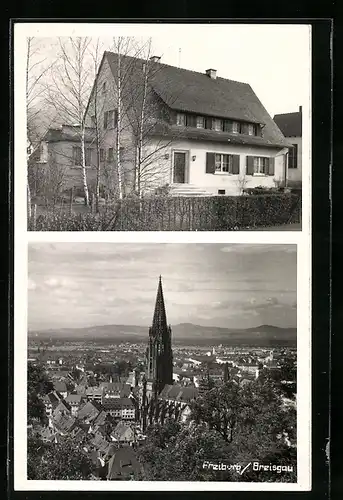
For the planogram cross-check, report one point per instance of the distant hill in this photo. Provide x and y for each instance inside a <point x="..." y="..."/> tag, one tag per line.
<point x="180" y="332"/>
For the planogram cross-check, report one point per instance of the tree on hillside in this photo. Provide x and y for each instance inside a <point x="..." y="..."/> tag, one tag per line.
<point x="176" y="452"/>
<point x="57" y="461"/>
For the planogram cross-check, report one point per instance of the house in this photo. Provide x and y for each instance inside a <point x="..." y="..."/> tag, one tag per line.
<point x="94" y="394"/>
<point x="75" y="401"/>
<point x="50" y="402"/>
<point x="61" y="150"/>
<point x="89" y="412"/>
<point x="123" y="433"/>
<point x="61" y="388"/>
<point x="120" y="408"/>
<point x="203" y="134"/>
<point x="123" y="465"/>
<point x="290" y="125"/>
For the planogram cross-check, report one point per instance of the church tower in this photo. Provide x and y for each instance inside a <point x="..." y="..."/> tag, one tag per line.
<point x="159" y="351"/>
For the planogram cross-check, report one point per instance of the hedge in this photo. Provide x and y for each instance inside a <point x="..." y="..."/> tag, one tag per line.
<point x="215" y="213"/>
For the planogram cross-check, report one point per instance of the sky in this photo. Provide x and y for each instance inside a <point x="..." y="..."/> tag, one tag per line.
<point x="273" y="59"/>
<point x="72" y="285"/>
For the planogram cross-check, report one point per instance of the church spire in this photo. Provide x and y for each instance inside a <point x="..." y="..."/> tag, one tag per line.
<point x="159" y="351"/>
<point x="159" y="322"/>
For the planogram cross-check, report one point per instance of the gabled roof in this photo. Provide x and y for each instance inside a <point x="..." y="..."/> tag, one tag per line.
<point x="60" y="386"/>
<point x="73" y="399"/>
<point x="90" y="410"/>
<point x="290" y="124"/>
<point x="190" y="91"/>
<point x="123" y="463"/>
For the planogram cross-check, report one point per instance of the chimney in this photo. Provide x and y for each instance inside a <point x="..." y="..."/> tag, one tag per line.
<point x="212" y="73"/>
<point x="155" y="58"/>
<point x="300" y="109"/>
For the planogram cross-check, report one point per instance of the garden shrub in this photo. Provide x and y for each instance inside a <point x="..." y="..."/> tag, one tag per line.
<point x="163" y="213"/>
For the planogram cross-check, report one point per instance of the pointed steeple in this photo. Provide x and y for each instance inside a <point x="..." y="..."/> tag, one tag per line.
<point x="159" y="321"/>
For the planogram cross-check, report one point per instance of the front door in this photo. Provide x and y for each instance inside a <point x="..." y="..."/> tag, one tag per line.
<point x="179" y="167"/>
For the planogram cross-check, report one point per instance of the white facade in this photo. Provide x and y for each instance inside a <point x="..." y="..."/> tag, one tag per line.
<point x="215" y="183"/>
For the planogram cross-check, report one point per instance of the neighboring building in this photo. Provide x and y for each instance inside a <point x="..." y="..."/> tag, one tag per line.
<point x="159" y="351"/>
<point x="123" y="433"/>
<point x="203" y="134"/>
<point x="115" y="390"/>
<point x="61" y="388"/>
<point x="50" y="402"/>
<point x="61" y="149"/>
<point x="290" y="125"/>
<point x="123" y="465"/>
<point x="75" y="401"/>
<point x="89" y="412"/>
<point x="94" y="394"/>
<point x="120" y="408"/>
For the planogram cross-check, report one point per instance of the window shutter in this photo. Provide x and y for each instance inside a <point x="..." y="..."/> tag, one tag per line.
<point x="105" y="119"/>
<point x="258" y="130"/>
<point x="210" y="163"/>
<point x="191" y="121"/>
<point x="250" y="165"/>
<point x="235" y="164"/>
<point x="271" y="168"/>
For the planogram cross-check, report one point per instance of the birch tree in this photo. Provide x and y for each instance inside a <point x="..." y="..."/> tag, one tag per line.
<point x="35" y="72"/>
<point x="71" y="82"/>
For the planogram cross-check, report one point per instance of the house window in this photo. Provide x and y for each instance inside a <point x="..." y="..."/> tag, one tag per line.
<point x="218" y="124"/>
<point x="181" y="119"/>
<point x="221" y="191"/>
<point x="236" y="127"/>
<point x="293" y="157"/>
<point x="102" y="155"/>
<point x="223" y="163"/>
<point x="110" y="156"/>
<point x="104" y="87"/>
<point x="77" y="155"/>
<point x="200" y="122"/>
<point x="251" y="129"/>
<point x="88" y="157"/>
<point x="261" y="165"/>
<point x="110" y="119"/>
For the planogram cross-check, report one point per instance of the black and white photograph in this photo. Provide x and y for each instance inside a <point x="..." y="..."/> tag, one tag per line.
<point x="196" y="128"/>
<point x="162" y="256"/>
<point x="162" y="362"/>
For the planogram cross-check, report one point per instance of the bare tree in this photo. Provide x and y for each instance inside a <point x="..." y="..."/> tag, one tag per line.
<point x="35" y="72"/>
<point x="241" y="182"/>
<point x="69" y="92"/>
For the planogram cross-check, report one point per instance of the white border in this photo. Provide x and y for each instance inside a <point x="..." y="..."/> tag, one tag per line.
<point x="301" y="238"/>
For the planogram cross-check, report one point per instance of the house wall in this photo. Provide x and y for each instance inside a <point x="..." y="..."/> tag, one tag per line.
<point x="107" y="101"/>
<point x="196" y="170"/>
<point x="61" y="153"/>
<point x="295" y="174"/>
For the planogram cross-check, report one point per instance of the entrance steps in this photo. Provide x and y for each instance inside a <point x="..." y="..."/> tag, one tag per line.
<point x="188" y="190"/>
